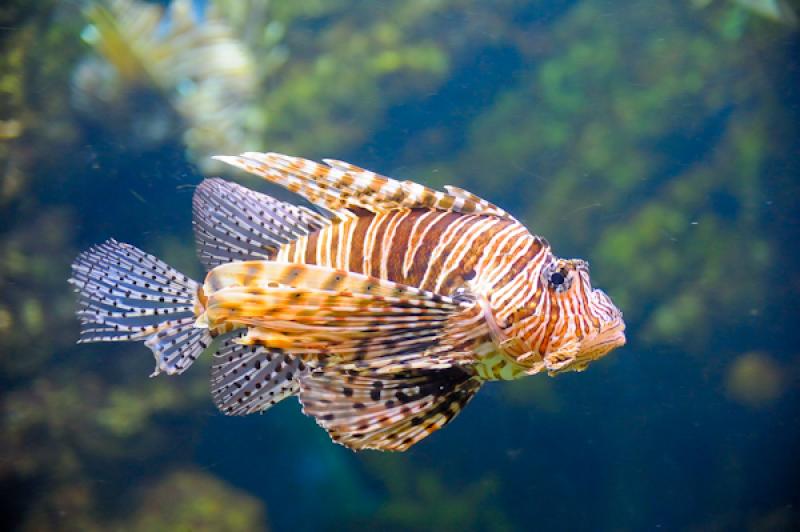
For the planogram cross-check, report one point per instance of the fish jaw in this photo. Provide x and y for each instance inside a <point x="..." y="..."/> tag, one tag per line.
<point x="606" y="340"/>
<point x="576" y="356"/>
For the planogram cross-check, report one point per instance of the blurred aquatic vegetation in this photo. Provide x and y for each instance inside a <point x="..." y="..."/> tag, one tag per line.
<point x="34" y="52"/>
<point x="64" y="416"/>
<point x="66" y="427"/>
<point x="194" y="500"/>
<point x="779" y="11"/>
<point x="165" y="73"/>
<point x="36" y="313"/>
<point x="33" y="294"/>
<point x="336" y="70"/>
<point x="419" y="499"/>
<point x="72" y="425"/>
<point x="755" y="380"/>
<point x="253" y="23"/>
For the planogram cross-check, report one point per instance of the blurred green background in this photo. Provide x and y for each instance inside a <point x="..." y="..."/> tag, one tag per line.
<point x="658" y="140"/>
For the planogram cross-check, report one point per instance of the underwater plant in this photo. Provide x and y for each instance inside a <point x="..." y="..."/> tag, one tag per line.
<point x="165" y="73"/>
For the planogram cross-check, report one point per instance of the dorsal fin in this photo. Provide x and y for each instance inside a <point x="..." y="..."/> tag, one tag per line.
<point x="234" y="223"/>
<point x="342" y="187"/>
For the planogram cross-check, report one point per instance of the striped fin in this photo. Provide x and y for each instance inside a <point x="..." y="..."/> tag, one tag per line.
<point x="466" y="195"/>
<point x="351" y="319"/>
<point x="127" y="295"/>
<point x="388" y="413"/>
<point x="266" y="272"/>
<point x="234" y="223"/>
<point x="341" y="187"/>
<point x="251" y="378"/>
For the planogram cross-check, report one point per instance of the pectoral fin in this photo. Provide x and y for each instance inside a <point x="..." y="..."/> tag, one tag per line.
<point x="332" y="315"/>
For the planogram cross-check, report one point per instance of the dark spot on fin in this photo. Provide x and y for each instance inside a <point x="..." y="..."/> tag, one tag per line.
<point x="385" y="412"/>
<point x="125" y="294"/>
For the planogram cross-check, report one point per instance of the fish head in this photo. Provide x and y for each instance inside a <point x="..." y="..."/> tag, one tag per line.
<point x="570" y="324"/>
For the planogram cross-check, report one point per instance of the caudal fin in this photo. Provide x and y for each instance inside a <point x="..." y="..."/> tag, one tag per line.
<point x="126" y="294"/>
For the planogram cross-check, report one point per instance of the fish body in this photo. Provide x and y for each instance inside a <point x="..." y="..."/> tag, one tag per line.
<point x="384" y="316"/>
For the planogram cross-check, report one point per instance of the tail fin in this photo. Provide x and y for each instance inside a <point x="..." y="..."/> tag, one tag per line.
<point x="127" y="295"/>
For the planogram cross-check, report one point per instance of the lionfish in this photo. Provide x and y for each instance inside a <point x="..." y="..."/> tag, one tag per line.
<point x="384" y="315"/>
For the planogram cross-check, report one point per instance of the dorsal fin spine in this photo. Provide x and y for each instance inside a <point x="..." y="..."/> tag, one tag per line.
<point x="342" y="188"/>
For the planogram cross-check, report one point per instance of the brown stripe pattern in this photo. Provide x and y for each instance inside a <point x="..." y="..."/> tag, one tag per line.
<point x="448" y="242"/>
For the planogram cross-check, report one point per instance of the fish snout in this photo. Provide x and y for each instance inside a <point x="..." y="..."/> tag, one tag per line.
<point x="611" y="333"/>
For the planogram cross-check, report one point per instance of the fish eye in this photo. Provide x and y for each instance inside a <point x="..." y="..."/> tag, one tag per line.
<point x="557" y="278"/>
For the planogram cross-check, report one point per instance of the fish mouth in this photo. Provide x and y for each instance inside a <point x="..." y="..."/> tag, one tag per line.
<point x="612" y="327"/>
<point x="587" y="351"/>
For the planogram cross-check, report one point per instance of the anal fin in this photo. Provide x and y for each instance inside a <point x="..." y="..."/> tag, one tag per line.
<point x="251" y="378"/>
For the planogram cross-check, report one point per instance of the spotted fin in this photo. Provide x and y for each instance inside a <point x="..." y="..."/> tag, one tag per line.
<point x="234" y="223"/>
<point x="251" y="378"/>
<point x="343" y="188"/>
<point x="354" y="320"/>
<point x="389" y="412"/>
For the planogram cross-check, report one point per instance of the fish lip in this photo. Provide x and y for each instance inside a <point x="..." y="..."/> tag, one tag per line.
<point x="591" y="349"/>
<point x="619" y="331"/>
